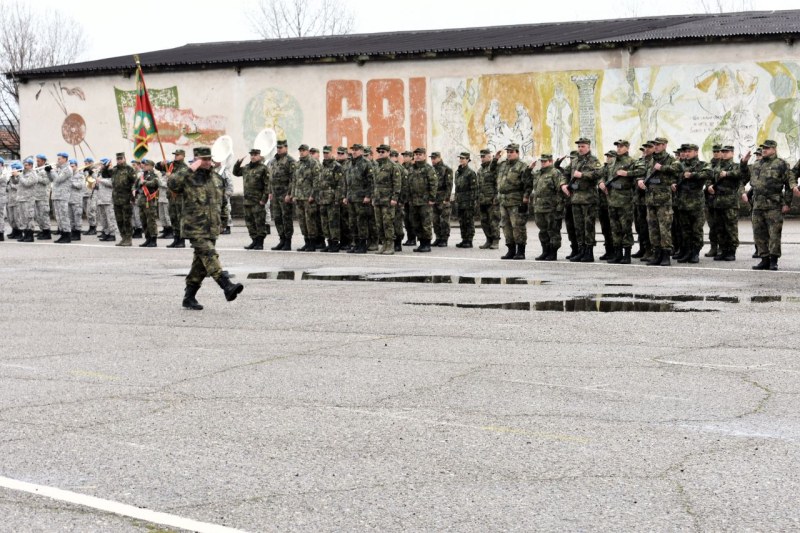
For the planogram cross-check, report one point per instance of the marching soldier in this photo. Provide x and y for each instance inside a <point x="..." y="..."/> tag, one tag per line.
<point x="620" y="191"/>
<point x="772" y="181"/>
<point x="305" y="174"/>
<point x="255" y="179"/>
<point x="466" y="183"/>
<point x="583" y="173"/>
<point x="514" y="189"/>
<point x="385" y="197"/>
<point x="658" y="197"/>
<point x="488" y="206"/>
<point x="723" y="208"/>
<point x="442" y="208"/>
<point x="281" y="171"/>
<point x="548" y="207"/>
<point x="105" y="204"/>
<point x="147" y="200"/>
<point x="422" y="182"/>
<point x="123" y="178"/>
<point x="330" y="192"/>
<point x="693" y="176"/>
<point x="201" y="189"/>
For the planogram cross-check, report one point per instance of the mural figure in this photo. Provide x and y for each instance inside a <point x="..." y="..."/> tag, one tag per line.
<point x="732" y="103"/>
<point x="559" y="120"/>
<point x="646" y="106"/>
<point x="523" y="131"/>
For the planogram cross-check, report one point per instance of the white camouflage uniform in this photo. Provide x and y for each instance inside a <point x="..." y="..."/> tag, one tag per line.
<point x="62" y="184"/>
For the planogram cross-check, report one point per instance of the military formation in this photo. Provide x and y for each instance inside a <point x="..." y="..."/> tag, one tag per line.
<point x="358" y="201"/>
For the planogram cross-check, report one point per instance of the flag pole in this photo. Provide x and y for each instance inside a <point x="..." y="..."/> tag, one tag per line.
<point x="158" y="135"/>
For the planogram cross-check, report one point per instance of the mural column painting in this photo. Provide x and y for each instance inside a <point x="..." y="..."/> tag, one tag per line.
<point x="586" y="107"/>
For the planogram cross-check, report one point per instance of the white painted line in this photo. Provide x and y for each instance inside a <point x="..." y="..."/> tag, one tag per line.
<point x="109" y="506"/>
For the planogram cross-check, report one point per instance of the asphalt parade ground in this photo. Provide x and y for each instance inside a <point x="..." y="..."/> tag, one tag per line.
<point x="414" y="392"/>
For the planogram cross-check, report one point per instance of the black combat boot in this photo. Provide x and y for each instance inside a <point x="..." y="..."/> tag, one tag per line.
<point x="616" y="258"/>
<point x="436" y="242"/>
<point x="153" y="242"/>
<point x="146" y="243"/>
<point x="694" y="258"/>
<point x="65" y="238"/>
<point x="189" y="301"/>
<point x="175" y="239"/>
<point x="45" y="235"/>
<point x="764" y="264"/>
<point x="713" y="251"/>
<point x="773" y="262"/>
<point x="305" y="245"/>
<point x="287" y="244"/>
<point x="575" y="250"/>
<point x="545" y="251"/>
<point x="463" y="244"/>
<point x="552" y="254"/>
<point x="335" y="246"/>
<point x="442" y="243"/>
<point x="424" y="246"/>
<point x="22" y="234"/>
<point x="328" y="247"/>
<point x="512" y="251"/>
<point x="363" y="246"/>
<point x="252" y="244"/>
<point x="656" y="259"/>
<point x="609" y="254"/>
<point x="588" y="255"/>
<point x="729" y="255"/>
<point x="29" y="236"/>
<point x="577" y="256"/>
<point x="411" y="241"/>
<point x="14" y="233"/>
<point x="665" y="258"/>
<point x="76" y="235"/>
<point x="181" y="243"/>
<point x="626" y="256"/>
<point x="259" y="244"/>
<point x="640" y="252"/>
<point x="685" y="256"/>
<point x="91" y="231"/>
<point x="398" y="244"/>
<point x="649" y="254"/>
<point x="520" y="252"/>
<point x="137" y="233"/>
<point x="232" y="290"/>
<point x="2" y="236"/>
<point x="280" y="244"/>
<point x="680" y="252"/>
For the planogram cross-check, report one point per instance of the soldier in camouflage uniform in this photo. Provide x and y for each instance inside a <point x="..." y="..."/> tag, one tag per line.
<point x="62" y="183"/>
<point x="147" y="199"/>
<point x="569" y="221"/>
<point x="42" y="202"/>
<point x="422" y="182"/>
<point x="330" y="192"/>
<point x="346" y="239"/>
<point x="281" y="172"/>
<point x="179" y="167"/>
<point x="399" y="210"/>
<point x="123" y="178"/>
<point x="619" y="187"/>
<point x="105" y="205"/>
<point x="487" y="200"/>
<point x="11" y="205"/>
<point x="711" y="214"/>
<point x="442" y="207"/>
<point x="514" y="187"/>
<point x="602" y="210"/>
<point x="772" y="181"/>
<point x="255" y="179"/>
<point x="723" y="192"/>
<point x="89" y="197"/>
<point x="360" y="177"/>
<point x="693" y="176"/>
<point x="26" y="184"/>
<point x="202" y="189"/>
<point x="163" y="206"/>
<point x="305" y="174"/>
<point x="408" y="162"/>
<point x="583" y="173"/>
<point x="658" y="197"/>
<point x="385" y="197"/>
<point x="75" y="204"/>
<point x="548" y="207"/>
<point x="466" y="183"/>
<point x="225" y="215"/>
<point x="645" y="251"/>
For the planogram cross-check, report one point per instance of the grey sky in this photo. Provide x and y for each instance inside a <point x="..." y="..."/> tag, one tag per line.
<point x="112" y="32"/>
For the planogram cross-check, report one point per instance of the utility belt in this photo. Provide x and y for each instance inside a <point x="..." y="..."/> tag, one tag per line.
<point x="620" y="186"/>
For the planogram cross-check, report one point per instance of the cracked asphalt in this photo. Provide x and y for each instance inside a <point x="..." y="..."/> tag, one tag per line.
<point x="322" y="405"/>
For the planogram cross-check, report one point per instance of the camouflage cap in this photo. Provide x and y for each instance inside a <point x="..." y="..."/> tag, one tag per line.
<point x="486" y="151"/>
<point x="611" y="153"/>
<point x="419" y="150"/>
<point x="648" y="144"/>
<point x="394" y="153"/>
<point x="148" y="162"/>
<point x="120" y="155"/>
<point x="692" y="147"/>
<point x="408" y="153"/>
<point x="367" y="149"/>
<point x="758" y="151"/>
<point x="769" y="143"/>
<point x="179" y="151"/>
<point x="383" y="148"/>
<point x="513" y="147"/>
<point x="341" y="150"/>
<point x="202" y="152"/>
<point x="583" y="140"/>
<point x="660" y="140"/>
<point x="677" y="152"/>
<point x="327" y="149"/>
<point x="255" y="151"/>
<point x="622" y="142"/>
<point x="357" y="146"/>
<point x="727" y="148"/>
<point x="282" y="143"/>
<point x="302" y="147"/>
<point x="683" y="146"/>
<point x="314" y="150"/>
<point x="716" y="148"/>
<point x="465" y="155"/>
<point x="436" y="154"/>
<point x="546" y="157"/>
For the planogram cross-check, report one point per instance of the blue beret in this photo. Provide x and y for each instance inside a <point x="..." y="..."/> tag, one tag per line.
<point x="105" y="161"/>
<point x="2" y="161"/>
<point x="16" y="166"/>
<point x="29" y="161"/>
<point x="62" y="154"/>
<point x="41" y="156"/>
<point x="73" y="162"/>
<point x="89" y="160"/>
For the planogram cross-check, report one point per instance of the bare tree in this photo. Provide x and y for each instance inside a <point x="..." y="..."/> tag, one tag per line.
<point x="31" y="38"/>
<point x="281" y="19"/>
<point x="726" y="6"/>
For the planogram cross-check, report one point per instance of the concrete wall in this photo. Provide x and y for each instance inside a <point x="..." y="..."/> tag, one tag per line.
<point x="739" y="94"/>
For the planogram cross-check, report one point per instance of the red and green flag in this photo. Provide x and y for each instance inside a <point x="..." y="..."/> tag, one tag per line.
<point x="144" y="122"/>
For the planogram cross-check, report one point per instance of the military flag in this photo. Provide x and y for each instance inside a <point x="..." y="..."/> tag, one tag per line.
<point x="144" y="122"/>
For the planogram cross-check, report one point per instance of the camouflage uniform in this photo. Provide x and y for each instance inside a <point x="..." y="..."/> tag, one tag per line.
<point x="400" y="208"/>
<point x="305" y="174"/>
<point x="105" y="207"/>
<point x="163" y="206"/>
<point x="772" y="182"/>
<point x="42" y="201"/>
<point x="75" y="204"/>
<point x="658" y="199"/>
<point x="147" y="200"/>
<point x="26" y="184"/>
<point x="442" y="207"/>
<point x="123" y="177"/>
<point x="90" y="202"/>
<point x="179" y="168"/>
<point x="584" y="198"/>
<point x="422" y="182"/>
<point x="255" y="179"/>
<point x="225" y="216"/>
<point x="330" y="192"/>
<point x="360" y="176"/>
<point x="487" y="202"/>
<point x="409" y="225"/>
<point x="714" y="224"/>
<point x="691" y="201"/>
<point x="548" y="208"/>
<point x="281" y="170"/>
<point x="603" y="215"/>
<point x="621" y="201"/>
<point x="61" y="192"/>
<point x="514" y="187"/>
<point x="724" y="207"/>
<point x="386" y="189"/>
<point x="11" y="208"/>
<point x="466" y="183"/>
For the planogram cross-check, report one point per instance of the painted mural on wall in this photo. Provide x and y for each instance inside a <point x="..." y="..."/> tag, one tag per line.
<point x="739" y="104"/>
<point x="181" y="127"/>
<point x="275" y="109"/>
<point x="73" y="128"/>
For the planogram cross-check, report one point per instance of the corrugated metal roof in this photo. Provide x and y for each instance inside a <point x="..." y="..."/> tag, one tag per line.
<point x="495" y="40"/>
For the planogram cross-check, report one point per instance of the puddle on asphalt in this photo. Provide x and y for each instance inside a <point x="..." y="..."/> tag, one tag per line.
<point x="675" y="298"/>
<point x="576" y="305"/>
<point x="300" y="275"/>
